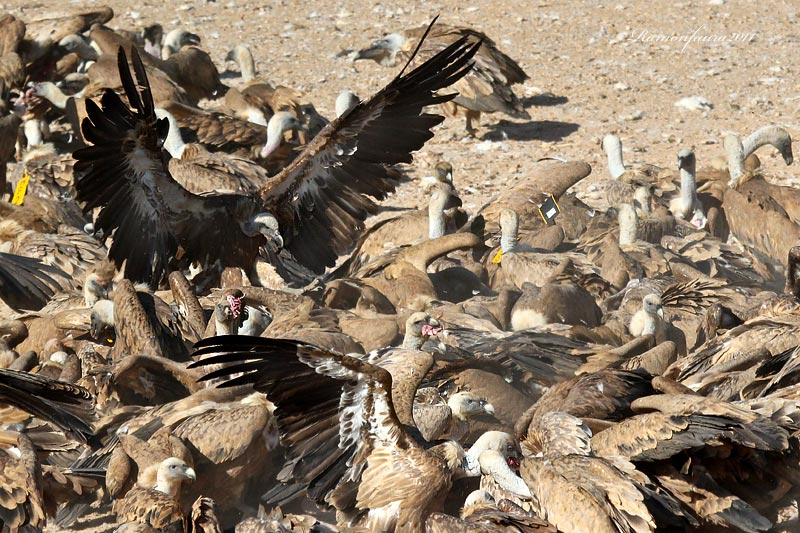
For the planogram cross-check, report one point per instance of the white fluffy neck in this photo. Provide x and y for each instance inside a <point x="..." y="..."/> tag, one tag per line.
<point x="734" y="151"/>
<point x="498" y="468"/>
<point x="174" y="142"/>
<point x="628" y="222"/>
<point x="247" y="64"/>
<point x="689" y="200"/>
<point x="508" y="234"/>
<point x="613" y="148"/>
<point x="774" y="135"/>
<point x="411" y="341"/>
<point x="168" y="487"/>
<point x="52" y="94"/>
<point x="436" y="222"/>
<point x="275" y="128"/>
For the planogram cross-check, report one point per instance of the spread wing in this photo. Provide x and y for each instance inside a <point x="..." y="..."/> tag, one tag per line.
<point x="321" y="199"/>
<point x="487" y="87"/>
<point x="151" y="216"/>
<point x="63" y="404"/>
<point x="27" y="283"/>
<point x="332" y="409"/>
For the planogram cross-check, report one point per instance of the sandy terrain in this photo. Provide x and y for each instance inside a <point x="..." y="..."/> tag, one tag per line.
<point x="595" y="69"/>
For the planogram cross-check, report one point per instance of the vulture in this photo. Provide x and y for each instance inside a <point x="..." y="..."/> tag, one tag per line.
<point x="346" y="444"/>
<point x="486" y="89"/>
<point x="315" y="207"/>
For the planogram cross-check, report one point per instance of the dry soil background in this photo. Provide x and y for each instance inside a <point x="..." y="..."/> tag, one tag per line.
<point x="595" y="68"/>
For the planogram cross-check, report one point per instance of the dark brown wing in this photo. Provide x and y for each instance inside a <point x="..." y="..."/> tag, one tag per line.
<point x="321" y="199"/>
<point x="63" y="404"/>
<point x="332" y="409"/>
<point x="27" y="283"/>
<point x="149" y="213"/>
<point x="487" y="87"/>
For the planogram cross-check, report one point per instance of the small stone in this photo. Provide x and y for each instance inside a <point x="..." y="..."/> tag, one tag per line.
<point x="694" y="103"/>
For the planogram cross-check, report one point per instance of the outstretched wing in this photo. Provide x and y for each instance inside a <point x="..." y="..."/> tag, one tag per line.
<point x="332" y="409"/>
<point x="150" y="214"/>
<point x="63" y="404"/>
<point x="322" y="199"/>
<point x="27" y="283"/>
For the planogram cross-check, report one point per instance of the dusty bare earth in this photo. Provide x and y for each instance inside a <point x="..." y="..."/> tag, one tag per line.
<point x="613" y="67"/>
<point x="595" y="68"/>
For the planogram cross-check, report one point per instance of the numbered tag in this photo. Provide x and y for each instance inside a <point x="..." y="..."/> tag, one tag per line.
<point x="549" y="210"/>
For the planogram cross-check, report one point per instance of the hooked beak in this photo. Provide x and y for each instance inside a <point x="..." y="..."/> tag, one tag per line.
<point x="488" y="408"/>
<point x="470" y="467"/>
<point x="660" y="311"/>
<point x="189" y="473"/>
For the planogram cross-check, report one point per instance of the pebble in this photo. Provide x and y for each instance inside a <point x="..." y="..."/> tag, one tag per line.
<point x="694" y="103"/>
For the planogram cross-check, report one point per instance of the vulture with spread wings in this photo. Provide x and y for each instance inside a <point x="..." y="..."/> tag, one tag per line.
<point x="315" y="207"/>
<point x="346" y="445"/>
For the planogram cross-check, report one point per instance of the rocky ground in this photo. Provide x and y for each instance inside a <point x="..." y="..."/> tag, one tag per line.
<point x="616" y="67"/>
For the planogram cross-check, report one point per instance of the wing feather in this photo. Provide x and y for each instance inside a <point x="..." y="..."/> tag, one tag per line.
<point x="332" y="409"/>
<point x="150" y="215"/>
<point x="322" y="199"/>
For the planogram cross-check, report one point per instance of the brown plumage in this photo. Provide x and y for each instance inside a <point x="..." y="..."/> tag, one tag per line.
<point x="71" y="250"/>
<point x="387" y="467"/>
<point x="145" y="324"/>
<point x="578" y="492"/>
<point x="486" y="89"/>
<point x="57" y="28"/>
<point x="230" y="446"/>
<point x="316" y="224"/>
<point x="157" y="507"/>
<point x="21" y="501"/>
<point x="218" y="131"/>
<point x="12" y="31"/>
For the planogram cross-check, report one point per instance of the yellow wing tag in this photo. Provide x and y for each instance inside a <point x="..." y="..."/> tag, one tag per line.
<point x="498" y="257"/>
<point x="22" y="188"/>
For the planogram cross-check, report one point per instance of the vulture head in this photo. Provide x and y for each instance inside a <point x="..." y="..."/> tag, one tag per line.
<point x="497" y="441"/>
<point x="345" y="101"/>
<point x="171" y="473"/>
<point x="95" y="288"/>
<point x="279" y="123"/>
<point x="230" y="312"/>
<point x="102" y="319"/>
<point x="444" y="172"/>
<point x="177" y="39"/>
<point x="420" y="327"/>
<point x="652" y="305"/>
<point x="382" y="51"/>
<point x="466" y="404"/>
<point x="265" y="224"/>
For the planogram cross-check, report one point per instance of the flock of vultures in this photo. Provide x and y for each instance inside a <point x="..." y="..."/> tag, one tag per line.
<point x="201" y="331"/>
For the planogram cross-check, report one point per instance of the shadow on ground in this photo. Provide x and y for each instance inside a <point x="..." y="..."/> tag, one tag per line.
<point x="534" y="130"/>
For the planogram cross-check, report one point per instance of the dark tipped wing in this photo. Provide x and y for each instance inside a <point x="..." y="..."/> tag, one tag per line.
<point x="321" y="199"/>
<point x="66" y="405"/>
<point x="150" y="214"/>
<point x="27" y="283"/>
<point x="331" y="408"/>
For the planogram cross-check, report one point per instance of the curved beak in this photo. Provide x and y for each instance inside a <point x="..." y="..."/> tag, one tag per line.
<point x="189" y="473"/>
<point x="489" y="408"/>
<point x="660" y="311"/>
